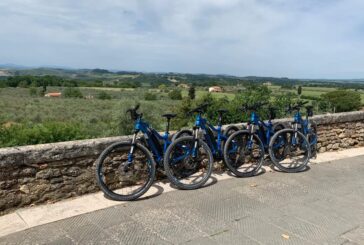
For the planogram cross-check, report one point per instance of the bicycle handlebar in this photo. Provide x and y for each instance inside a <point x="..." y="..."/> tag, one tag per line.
<point x="253" y="107"/>
<point x="199" y="109"/>
<point x="296" y="106"/>
<point x="133" y="112"/>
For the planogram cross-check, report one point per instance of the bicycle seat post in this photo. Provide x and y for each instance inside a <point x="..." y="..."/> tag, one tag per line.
<point x="219" y="120"/>
<point x="167" y="126"/>
<point x="221" y="112"/>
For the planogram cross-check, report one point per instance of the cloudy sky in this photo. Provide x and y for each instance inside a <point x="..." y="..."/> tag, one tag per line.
<point x="293" y="38"/>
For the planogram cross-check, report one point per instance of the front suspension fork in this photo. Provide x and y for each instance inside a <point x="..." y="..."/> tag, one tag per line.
<point x="131" y="152"/>
<point x="196" y="132"/>
<point x="250" y="143"/>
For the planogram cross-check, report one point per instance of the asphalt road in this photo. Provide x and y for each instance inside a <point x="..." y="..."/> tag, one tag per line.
<point x="323" y="205"/>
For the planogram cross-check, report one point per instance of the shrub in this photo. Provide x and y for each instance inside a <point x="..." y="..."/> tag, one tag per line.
<point x="40" y="133"/>
<point x="309" y="97"/>
<point x="103" y="96"/>
<point x="175" y="94"/>
<point x="150" y="96"/>
<point x="192" y="92"/>
<point x="33" y="91"/>
<point x="343" y="100"/>
<point x="71" y="92"/>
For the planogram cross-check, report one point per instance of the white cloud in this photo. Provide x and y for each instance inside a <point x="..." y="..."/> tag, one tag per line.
<point x="249" y="37"/>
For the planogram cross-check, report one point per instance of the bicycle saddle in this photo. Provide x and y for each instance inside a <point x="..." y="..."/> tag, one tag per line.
<point x="200" y="109"/>
<point x="169" y="115"/>
<point x="221" y="111"/>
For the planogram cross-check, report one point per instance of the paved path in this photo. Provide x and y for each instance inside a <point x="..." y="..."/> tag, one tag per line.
<point x="324" y="205"/>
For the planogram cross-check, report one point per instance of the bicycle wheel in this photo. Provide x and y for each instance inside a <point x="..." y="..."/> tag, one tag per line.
<point x="182" y="133"/>
<point x="230" y="130"/>
<point x="244" y="153"/>
<point x="188" y="164"/>
<point x="294" y="149"/>
<point x="121" y="179"/>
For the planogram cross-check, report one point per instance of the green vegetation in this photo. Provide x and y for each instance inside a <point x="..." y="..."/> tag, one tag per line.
<point x="192" y="92"/>
<point x="175" y="94"/>
<point x="102" y="95"/>
<point x="39" y="133"/>
<point x="93" y="102"/>
<point x="71" y="92"/>
<point x="343" y="100"/>
<point x="150" y="96"/>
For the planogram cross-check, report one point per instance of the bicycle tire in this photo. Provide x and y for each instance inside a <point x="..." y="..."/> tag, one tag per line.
<point x="228" y="160"/>
<point x="181" y="133"/>
<point x="169" y="171"/>
<point x="104" y="187"/>
<point x="277" y="162"/>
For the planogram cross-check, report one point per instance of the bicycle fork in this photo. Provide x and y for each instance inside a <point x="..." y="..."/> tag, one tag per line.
<point x="196" y="132"/>
<point x="250" y="143"/>
<point x="295" y="133"/>
<point x="131" y="152"/>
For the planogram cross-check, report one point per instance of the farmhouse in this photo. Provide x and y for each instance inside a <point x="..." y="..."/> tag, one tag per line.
<point x="215" y="89"/>
<point x="55" y="94"/>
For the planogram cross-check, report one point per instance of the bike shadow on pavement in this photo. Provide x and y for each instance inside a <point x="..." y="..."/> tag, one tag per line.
<point x="154" y="191"/>
<point x="275" y="169"/>
<point x="211" y="181"/>
<point x="260" y="172"/>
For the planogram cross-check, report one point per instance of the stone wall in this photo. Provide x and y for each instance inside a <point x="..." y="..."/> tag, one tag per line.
<point x="31" y="175"/>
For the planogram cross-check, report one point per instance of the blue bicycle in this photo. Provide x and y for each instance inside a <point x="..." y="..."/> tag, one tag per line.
<point x="295" y="144"/>
<point x="245" y="149"/>
<point x="202" y="145"/>
<point x="215" y="137"/>
<point x="126" y="170"/>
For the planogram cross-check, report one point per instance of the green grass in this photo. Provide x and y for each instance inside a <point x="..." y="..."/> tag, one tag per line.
<point x="308" y="91"/>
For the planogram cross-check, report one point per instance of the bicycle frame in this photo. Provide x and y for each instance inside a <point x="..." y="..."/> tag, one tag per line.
<point x="214" y="144"/>
<point x="264" y="135"/>
<point x="151" y="136"/>
<point x="297" y="119"/>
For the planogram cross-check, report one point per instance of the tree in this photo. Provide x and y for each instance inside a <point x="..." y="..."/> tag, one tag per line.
<point x="150" y="96"/>
<point x="192" y="92"/>
<point x="33" y="91"/>
<point x="175" y="94"/>
<point x="71" y="92"/>
<point x="162" y="87"/>
<point x="299" y="90"/>
<point x="343" y="100"/>
<point x="103" y="96"/>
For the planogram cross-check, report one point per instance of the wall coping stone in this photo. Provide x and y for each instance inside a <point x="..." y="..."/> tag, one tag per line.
<point x="33" y="155"/>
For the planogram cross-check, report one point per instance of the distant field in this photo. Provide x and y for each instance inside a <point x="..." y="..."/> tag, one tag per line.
<point x="200" y="93"/>
<point x="309" y="91"/>
<point x="98" y="117"/>
<point x="94" y="117"/>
